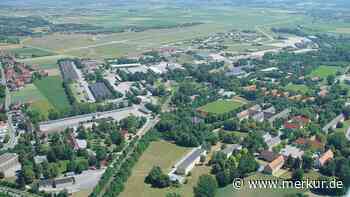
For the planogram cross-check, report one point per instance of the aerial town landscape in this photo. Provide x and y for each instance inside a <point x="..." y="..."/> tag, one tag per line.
<point x="159" y="98"/>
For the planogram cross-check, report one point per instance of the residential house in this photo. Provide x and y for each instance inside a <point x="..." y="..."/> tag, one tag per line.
<point x="324" y="158"/>
<point x="281" y="115"/>
<point x="268" y="155"/>
<point x="273" y="167"/>
<point x="292" y="151"/>
<point x="228" y="151"/>
<point x="297" y="122"/>
<point x="271" y="141"/>
<point x="249" y="113"/>
<point x="309" y="143"/>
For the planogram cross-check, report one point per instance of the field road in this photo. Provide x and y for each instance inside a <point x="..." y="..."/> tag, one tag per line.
<point x="264" y="33"/>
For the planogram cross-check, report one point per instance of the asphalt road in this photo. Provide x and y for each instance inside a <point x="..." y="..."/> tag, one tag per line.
<point x="13" y="141"/>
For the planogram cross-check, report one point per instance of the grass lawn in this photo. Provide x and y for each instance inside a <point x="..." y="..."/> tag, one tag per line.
<point x="245" y="191"/>
<point x="324" y="71"/>
<point x="221" y="106"/>
<point x="51" y="88"/>
<point x="165" y="155"/>
<point x="303" y="89"/>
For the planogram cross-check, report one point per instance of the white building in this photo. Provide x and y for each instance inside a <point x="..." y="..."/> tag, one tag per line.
<point x="190" y="161"/>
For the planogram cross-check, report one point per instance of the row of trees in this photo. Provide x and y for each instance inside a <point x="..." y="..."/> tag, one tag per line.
<point x="121" y="172"/>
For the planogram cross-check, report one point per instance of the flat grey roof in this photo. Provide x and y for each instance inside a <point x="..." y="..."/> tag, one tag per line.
<point x="190" y="158"/>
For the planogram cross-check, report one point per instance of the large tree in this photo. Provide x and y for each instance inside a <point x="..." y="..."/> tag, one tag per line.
<point x="206" y="186"/>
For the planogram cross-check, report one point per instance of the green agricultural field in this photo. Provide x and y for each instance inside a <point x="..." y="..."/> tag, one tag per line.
<point x="165" y="155"/>
<point x="221" y="106"/>
<point x="51" y="88"/>
<point x="29" y="52"/>
<point x="48" y="62"/>
<point x="324" y="71"/>
<point x="303" y="89"/>
<point x="245" y="191"/>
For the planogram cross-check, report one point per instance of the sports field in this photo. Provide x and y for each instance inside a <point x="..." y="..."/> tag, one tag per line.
<point x="51" y="88"/>
<point x="221" y="106"/>
<point x="324" y="71"/>
<point x="165" y="155"/>
<point x="303" y="89"/>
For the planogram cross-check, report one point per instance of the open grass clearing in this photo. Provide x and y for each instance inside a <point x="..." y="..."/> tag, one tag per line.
<point x="221" y="106"/>
<point x="29" y="93"/>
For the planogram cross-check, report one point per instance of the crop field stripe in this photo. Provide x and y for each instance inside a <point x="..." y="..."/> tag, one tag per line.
<point x="51" y="88"/>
